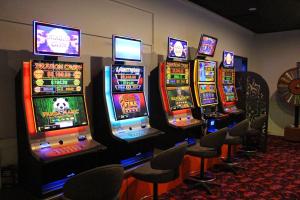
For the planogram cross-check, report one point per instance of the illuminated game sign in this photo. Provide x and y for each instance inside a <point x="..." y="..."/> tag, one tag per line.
<point x="177" y="74"/>
<point x="52" y="113"/>
<point x="56" y="40"/>
<point x="228" y="58"/>
<point x="207" y="45"/>
<point x="207" y="93"/>
<point x="207" y="71"/>
<point x="129" y="105"/>
<point x="56" y="77"/>
<point x="229" y="92"/>
<point x="177" y="49"/>
<point x="179" y="98"/>
<point x="127" y="78"/>
<point x="127" y="49"/>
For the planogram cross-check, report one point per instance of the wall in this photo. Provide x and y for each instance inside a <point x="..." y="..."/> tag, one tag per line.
<point x="152" y="21"/>
<point x="276" y="53"/>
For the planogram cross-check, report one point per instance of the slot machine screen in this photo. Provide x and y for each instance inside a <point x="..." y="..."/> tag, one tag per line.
<point x="207" y="71"/>
<point x="126" y="49"/>
<point x="207" y="93"/>
<point x="127" y="78"/>
<point x="55" y="40"/>
<point x="177" y="74"/>
<point x="53" y="77"/>
<point x="177" y="48"/>
<point x="179" y="98"/>
<point x="229" y="92"/>
<point x="228" y="59"/>
<point x="53" y="113"/>
<point x="207" y="45"/>
<point x="129" y="105"/>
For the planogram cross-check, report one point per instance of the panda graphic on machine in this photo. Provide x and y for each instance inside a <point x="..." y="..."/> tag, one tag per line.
<point x="64" y="116"/>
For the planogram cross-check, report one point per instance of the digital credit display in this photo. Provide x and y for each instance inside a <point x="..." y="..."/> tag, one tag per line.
<point x="55" y="40"/>
<point x="208" y="94"/>
<point x="127" y="78"/>
<point x="129" y="105"/>
<point x="177" y="49"/>
<point x="207" y="45"/>
<point x="56" y="77"/>
<point x="177" y="74"/>
<point x="207" y="71"/>
<point x="56" y="112"/>
<point x="179" y="98"/>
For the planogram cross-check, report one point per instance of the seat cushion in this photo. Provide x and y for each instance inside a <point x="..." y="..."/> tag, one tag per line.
<point x="233" y="140"/>
<point x="200" y="151"/>
<point x="252" y="132"/>
<point x="148" y="174"/>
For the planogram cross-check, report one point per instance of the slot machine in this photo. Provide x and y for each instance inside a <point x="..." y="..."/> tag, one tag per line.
<point x="204" y="85"/>
<point x="171" y="108"/>
<point x="129" y="136"/>
<point x="54" y="138"/>
<point x="227" y="90"/>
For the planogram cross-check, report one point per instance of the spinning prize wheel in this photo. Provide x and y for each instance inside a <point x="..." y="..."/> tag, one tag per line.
<point x="289" y="91"/>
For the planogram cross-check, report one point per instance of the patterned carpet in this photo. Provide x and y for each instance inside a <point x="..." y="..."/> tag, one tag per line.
<point x="274" y="176"/>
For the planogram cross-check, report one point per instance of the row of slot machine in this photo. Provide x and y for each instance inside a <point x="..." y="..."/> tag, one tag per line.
<point x="57" y="139"/>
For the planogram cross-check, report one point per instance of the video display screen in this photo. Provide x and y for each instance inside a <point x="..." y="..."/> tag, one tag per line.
<point x="56" y="40"/>
<point x="229" y="92"/>
<point x="228" y="59"/>
<point x="179" y="98"/>
<point x="228" y="76"/>
<point x="177" y="49"/>
<point x="207" y="45"/>
<point x="53" y="113"/>
<point x="208" y="94"/>
<point x="207" y="71"/>
<point x="56" y="77"/>
<point x="127" y="78"/>
<point x="130" y="105"/>
<point x="177" y="74"/>
<point x="127" y="49"/>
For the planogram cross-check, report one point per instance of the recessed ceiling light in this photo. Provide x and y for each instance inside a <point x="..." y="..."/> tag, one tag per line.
<point x="252" y="9"/>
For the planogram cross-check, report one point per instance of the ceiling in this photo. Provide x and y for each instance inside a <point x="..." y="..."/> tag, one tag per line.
<point x="266" y="16"/>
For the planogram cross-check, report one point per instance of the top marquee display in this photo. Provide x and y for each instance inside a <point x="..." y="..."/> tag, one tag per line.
<point x="55" y="40"/>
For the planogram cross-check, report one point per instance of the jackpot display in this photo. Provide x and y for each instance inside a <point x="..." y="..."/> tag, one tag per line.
<point x="177" y="74"/>
<point x="56" y="40"/>
<point x="127" y="78"/>
<point x="179" y="98"/>
<point x="228" y="59"/>
<point x="207" y="45"/>
<point x="228" y="76"/>
<point x="177" y="48"/>
<point x="53" y="77"/>
<point x="52" y="113"/>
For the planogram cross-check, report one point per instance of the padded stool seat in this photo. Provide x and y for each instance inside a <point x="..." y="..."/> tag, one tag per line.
<point x="232" y="140"/>
<point x="149" y="174"/>
<point x="201" y="151"/>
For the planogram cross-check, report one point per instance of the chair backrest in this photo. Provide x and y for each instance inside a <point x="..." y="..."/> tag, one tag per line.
<point x="240" y="129"/>
<point x="259" y="122"/>
<point x="170" y="158"/>
<point x="98" y="183"/>
<point x="214" y="140"/>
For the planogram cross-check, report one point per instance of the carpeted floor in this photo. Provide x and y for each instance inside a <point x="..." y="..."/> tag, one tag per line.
<point x="274" y="176"/>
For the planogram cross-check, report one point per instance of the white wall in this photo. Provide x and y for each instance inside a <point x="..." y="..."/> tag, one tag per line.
<point x="152" y="21"/>
<point x="276" y="53"/>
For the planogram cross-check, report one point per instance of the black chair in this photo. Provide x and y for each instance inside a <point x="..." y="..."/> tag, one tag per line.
<point x="235" y="136"/>
<point x="210" y="147"/>
<point x="254" y="135"/>
<point x="163" y="167"/>
<point x="101" y="183"/>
